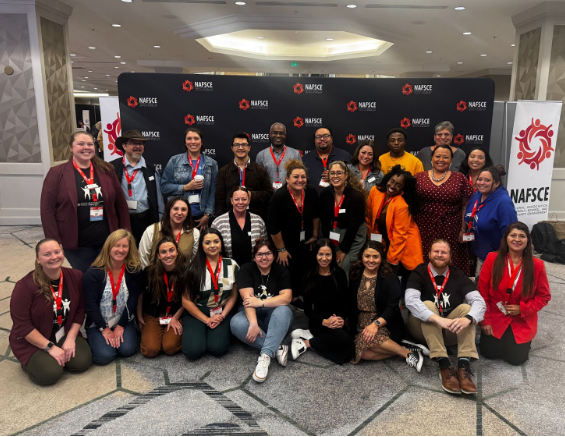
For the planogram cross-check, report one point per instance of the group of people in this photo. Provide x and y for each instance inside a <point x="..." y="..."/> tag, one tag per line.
<point x="198" y="254"/>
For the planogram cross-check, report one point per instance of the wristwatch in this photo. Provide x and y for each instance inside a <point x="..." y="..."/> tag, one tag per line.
<point x="377" y="322"/>
<point x="49" y="346"/>
<point x="467" y="316"/>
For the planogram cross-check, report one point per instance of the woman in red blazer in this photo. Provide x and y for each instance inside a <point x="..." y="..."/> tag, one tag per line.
<point x="514" y="286"/>
<point x="47" y="310"/>
<point x="82" y="202"/>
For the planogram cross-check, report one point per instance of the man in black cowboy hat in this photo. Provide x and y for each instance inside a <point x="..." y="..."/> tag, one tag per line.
<point x="139" y="182"/>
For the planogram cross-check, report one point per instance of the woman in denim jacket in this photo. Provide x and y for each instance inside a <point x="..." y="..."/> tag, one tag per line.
<point x="192" y="175"/>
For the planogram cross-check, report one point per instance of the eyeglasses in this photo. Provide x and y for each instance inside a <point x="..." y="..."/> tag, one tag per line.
<point x="240" y="145"/>
<point x="320" y="137"/>
<point x="337" y="173"/>
<point x="264" y="254"/>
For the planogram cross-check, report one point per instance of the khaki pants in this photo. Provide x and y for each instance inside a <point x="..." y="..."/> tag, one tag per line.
<point x="156" y="338"/>
<point x="436" y="340"/>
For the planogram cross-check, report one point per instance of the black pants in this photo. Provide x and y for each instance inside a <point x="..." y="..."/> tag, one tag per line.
<point x="405" y="273"/>
<point x="506" y="348"/>
<point x="139" y="222"/>
<point x="334" y="344"/>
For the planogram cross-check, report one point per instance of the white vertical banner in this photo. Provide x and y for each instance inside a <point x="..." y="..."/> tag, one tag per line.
<point x="86" y="118"/>
<point x="111" y="127"/>
<point x="532" y="153"/>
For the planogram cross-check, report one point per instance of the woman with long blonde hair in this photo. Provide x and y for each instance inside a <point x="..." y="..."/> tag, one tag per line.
<point x="111" y="289"/>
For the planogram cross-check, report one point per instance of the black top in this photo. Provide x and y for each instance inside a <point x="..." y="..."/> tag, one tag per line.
<point x="160" y="309"/>
<point x="387" y="298"/>
<point x="240" y="239"/>
<point x="455" y="290"/>
<point x="381" y="225"/>
<point x="353" y="217"/>
<point x="264" y="286"/>
<point x="327" y="296"/>
<point x="90" y="233"/>
<point x="65" y="308"/>
<point x="285" y="218"/>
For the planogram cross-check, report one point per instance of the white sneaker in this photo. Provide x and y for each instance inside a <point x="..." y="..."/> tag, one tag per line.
<point x="301" y="333"/>
<point x="415" y="359"/>
<point x="297" y="348"/>
<point x="262" y="369"/>
<point x="415" y="346"/>
<point x="282" y="355"/>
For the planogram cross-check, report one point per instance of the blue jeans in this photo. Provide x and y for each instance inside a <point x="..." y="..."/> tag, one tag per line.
<point x="273" y="322"/>
<point x="83" y="257"/>
<point x="103" y="353"/>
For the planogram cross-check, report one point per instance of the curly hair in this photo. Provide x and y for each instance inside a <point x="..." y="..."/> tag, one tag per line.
<point x="409" y="192"/>
<point x="350" y="177"/>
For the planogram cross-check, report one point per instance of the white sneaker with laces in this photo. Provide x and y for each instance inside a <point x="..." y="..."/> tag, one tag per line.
<point x="282" y="355"/>
<point x="297" y="348"/>
<point x="413" y="346"/>
<point x="262" y="368"/>
<point x="415" y="359"/>
<point x="301" y="333"/>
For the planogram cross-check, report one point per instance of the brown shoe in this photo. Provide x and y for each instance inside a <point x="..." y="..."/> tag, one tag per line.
<point x="467" y="385"/>
<point x="449" y="381"/>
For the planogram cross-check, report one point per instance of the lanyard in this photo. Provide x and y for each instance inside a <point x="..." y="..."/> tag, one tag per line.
<point x="514" y="275"/>
<point x="241" y="176"/>
<point x="169" y="293"/>
<point x="58" y="299"/>
<point x="299" y="208"/>
<point x="275" y="159"/>
<point x="361" y="178"/>
<point x="194" y="169"/>
<point x="325" y="161"/>
<point x="473" y="214"/>
<point x="215" y="276"/>
<point x="177" y="238"/>
<point x="116" y="288"/>
<point x="336" y="209"/>
<point x="130" y="193"/>
<point x="439" y="288"/>
<point x="89" y="181"/>
<point x="385" y="203"/>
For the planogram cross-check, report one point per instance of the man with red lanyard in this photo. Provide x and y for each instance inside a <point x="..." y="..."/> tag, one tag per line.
<point x="276" y="155"/>
<point x="317" y="161"/>
<point x="445" y="307"/>
<point x="140" y="183"/>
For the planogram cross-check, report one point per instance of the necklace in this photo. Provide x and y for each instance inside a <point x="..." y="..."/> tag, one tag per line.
<point x="440" y="179"/>
<point x="397" y="159"/>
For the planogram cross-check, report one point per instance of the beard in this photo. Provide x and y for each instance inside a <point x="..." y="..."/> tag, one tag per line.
<point x="437" y="264"/>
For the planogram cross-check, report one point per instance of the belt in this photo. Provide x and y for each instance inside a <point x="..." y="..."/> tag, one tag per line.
<point x="139" y="216"/>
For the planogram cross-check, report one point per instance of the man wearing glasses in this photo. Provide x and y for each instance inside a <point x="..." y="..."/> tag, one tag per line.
<point x="243" y="172"/>
<point x="276" y="156"/>
<point x="318" y="161"/>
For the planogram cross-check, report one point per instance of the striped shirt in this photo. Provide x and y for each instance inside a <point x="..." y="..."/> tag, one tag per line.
<point x="222" y="224"/>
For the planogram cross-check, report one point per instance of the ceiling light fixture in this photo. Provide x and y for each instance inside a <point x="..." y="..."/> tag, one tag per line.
<point x="86" y="77"/>
<point x="116" y="25"/>
<point x="90" y="71"/>
<point x="107" y="75"/>
<point x="157" y="47"/>
<point x="240" y="3"/>
<point x="460" y="8"/>
<point x="429" y="52"/>
<point x="92" y="48"/>
<point x="351" y="6"/>
<point x="123" y="63"/>
<point x="466" y="33"/>
<point x="329" y="39"/>
<point x="95" y="88"/>
<point x="127" y="1"/>
<point x="84" y="80"/>
<point x="483" y="54"/>
<point x="510" y="63"/>
<point x="511" y="45"/>
<point x="72" y="54"/>
<point x="260" y="37"/>
<point x="460" y="62"/>
<point x="117" y="56"/>
<point x="116" y="67"/>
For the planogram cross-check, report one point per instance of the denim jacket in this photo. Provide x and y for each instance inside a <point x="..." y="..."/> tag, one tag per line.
<point x="178" y="173"/>
<point x="371" y="180"/>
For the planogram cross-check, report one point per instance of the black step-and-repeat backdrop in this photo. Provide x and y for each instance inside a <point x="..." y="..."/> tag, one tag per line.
<point x="162" y="106"/>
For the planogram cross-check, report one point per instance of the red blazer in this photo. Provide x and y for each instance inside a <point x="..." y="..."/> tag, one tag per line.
<point x="30" y="310"/>
<point x="59" y="204"/>
<point x="525" y="325"/>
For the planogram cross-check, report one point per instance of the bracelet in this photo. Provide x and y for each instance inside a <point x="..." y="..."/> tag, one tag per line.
<point x="281" y="250"/>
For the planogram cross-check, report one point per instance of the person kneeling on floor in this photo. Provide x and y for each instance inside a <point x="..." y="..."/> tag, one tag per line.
<point x="445" y="307"/>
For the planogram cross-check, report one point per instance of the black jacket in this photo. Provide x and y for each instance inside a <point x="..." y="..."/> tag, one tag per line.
<point x="151" y="185"/>
<point x="387" y="298"/>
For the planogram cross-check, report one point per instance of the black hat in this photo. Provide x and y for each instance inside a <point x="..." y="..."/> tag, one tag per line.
<point x="129" y="135"/>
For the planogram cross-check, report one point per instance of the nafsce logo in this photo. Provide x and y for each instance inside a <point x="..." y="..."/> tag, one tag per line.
<point x="142" y="102"/>
<point x="308" y="88"/>
<point x="468" y="139"/>
<point x="307" y="122"/>
<point x="352" y="138"/>
<point x="462" y="106"/>
<point x="199" y="119"/>
<point x="408" y="89"/>
<point x="151" y="134"/>
<point x="260" y="138"/>
<point x="362" y="106"/>
<point x="189" y="85"/>
<point x="245" y="104"/>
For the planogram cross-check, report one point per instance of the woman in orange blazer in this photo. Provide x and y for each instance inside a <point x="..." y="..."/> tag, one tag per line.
<point x="391" y="207"/>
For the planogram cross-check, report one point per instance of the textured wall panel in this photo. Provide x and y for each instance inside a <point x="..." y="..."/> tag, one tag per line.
<point x="19" y="134"/>
<point x="556" y="87"/>
<point x="58" y="93"/>
<point x="528" y="65"/>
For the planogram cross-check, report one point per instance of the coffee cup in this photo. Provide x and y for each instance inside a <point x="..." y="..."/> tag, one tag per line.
<point x="198" y="177"/>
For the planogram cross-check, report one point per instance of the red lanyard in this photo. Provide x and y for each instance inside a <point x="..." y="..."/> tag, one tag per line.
<point x="130" y="193"/>
<point x="361" y="178"/>
<point x="280" y="160"/>
<point x="473" y="214"/>
<point x="177" y="238"/>
<point x="336" y="209"/>
<point x="241" y="176"/>
<point x="325" y="161"/>
<point x="89" y="181"/>
<point x="194" y="169"/>
<point x="116" y="288"/>
<point x="439" y="288"/>
<point x="58" y="298"/>
<point x="385" y="203"/>
<point x="471" y="182"/>
<point x="215" y="276"/>
<point x="514" y="275"/>
<point x="299" y="208"/>
<point x="169" y="293"/>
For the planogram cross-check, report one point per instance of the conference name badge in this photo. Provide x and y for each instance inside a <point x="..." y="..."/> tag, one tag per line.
<point x="277" y="185"/>
<point x="132" y="204"/>
<point x="96" y="213"/>
<point x="302" y="235"/>
<point x="216" y="311"/>
<point x="468" y="236"/>
<point x="165" y="320"/>
<point x="323" y="183"/>
<point x="371" y="179"/>
<point x="500" y="306"/>
<point x="334" y="236"/>
<point x="377" y="237"/>
<point x="194" y="198"/>
<point x="59" y="334"/>
<point x="113" y="321"/>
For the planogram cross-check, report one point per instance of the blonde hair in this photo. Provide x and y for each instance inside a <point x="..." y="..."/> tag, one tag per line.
<point x="104" y="262"/>
<point x="294" y="164"/>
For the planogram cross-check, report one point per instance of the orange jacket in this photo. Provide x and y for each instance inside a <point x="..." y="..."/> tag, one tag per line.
<point x="402" y="230"/>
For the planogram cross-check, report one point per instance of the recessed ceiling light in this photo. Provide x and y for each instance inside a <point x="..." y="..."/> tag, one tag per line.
<point x="123" y="63"/>
<point x="72" y="54"/>
<point x="116" y="67"/>
<point x="95" y="88"/>
<point x="127" y="1"/>
<point x="86" y="77"/>
<point x="72" y="62"/>
<point x="90" y="71"/>
<point x="107" y="75"/>
<point x="460" y="8"/>
<point x="483" y="54"/>
<point x="260" y="37"/>
<point x="84" y="80"/>
<point x="466" y="33"/>
<point x="240" y="3"/>
<point x="460" y="62"/>
<point x="116" y="25"/>
<point x="511" y="45"/>
<point x="351" y="6"/>
<point x="429" y="52"/>
<point x="92" y="48"/>
<point x="329" y="39"/>
<point x="117" y="56"/>
<point x="82" y="86"/>
<point x="157" y="47"/>
<point x="510" y="63"/>
<point x="439" y="75"/>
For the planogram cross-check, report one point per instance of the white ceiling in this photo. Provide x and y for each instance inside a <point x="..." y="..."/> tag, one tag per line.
<point x="175" y="25"/>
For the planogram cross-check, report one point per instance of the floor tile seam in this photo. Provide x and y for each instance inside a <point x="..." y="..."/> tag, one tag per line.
<point x="479" y="401"/>
<point x="547" y="358"/>
<point x="501" y="393"/>
<point x="230" y="405"/>
<point x="26" y="244"/>
<point x="504" y="419"/>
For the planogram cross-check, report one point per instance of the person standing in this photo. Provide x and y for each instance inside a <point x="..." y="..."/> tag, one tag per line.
<point x="140" y="183"/>
<point x="443" y="137"/>
<point x="275" y="157"/>
<point x="476" y="160"/>
<point x="396" y="140"/>
<point x="318" y="160"/>
<point x="193" y="175"/>
<point x="82" y="202"/>
<point x="242" y="172"/>
<point x="366" y="166"/>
